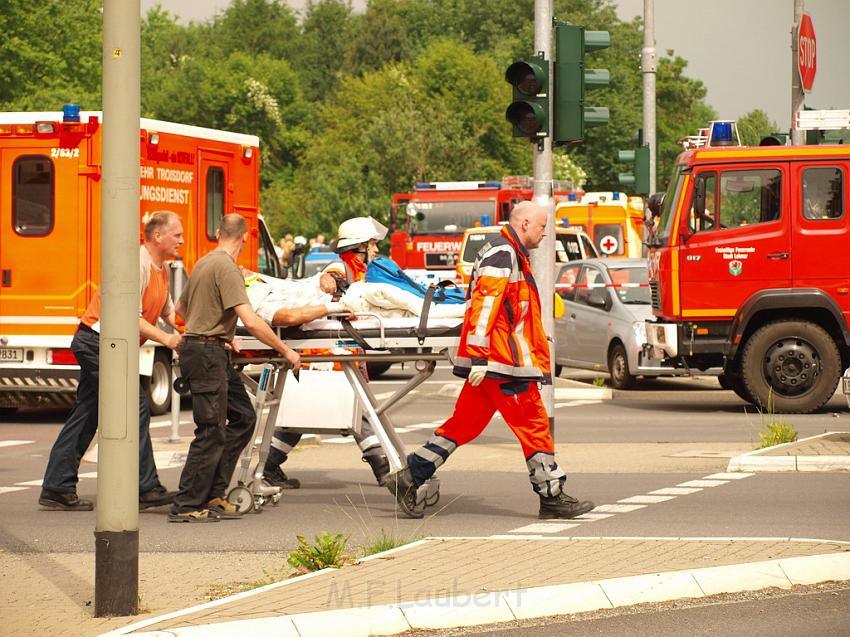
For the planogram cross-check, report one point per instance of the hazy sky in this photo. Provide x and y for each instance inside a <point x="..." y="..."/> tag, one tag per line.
<point x="740" y="49"/>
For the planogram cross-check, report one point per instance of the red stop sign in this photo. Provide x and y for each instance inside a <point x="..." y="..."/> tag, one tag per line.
<point x="807" y="57"/>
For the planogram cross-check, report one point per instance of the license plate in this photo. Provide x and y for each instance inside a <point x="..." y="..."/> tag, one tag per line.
<point x="441" y="260"/>
<point x="9" y="355"/>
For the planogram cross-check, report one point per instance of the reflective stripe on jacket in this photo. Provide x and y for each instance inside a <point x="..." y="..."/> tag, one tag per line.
<point x="502" y="326"/>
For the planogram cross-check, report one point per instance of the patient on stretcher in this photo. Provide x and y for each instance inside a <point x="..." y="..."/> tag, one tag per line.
<point x="285" y="302"/>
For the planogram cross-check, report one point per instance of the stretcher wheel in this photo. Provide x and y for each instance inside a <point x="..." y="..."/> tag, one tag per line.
<point x="259" y="502"/>
<point x="276" y="499"/>
<point x="241" y="498"/>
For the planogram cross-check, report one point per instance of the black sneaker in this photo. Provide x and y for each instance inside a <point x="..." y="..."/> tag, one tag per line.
<point x="563" y="506"/>
<point x="64" y="501"/>
<point x="275" y="477"/>
<point x="380" y="467"/>
<point x="156" y="497"/>
<point x="401" y="485"/>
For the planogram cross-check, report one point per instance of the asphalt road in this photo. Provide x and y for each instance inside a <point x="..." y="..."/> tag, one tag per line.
<point x="671" y="432"/>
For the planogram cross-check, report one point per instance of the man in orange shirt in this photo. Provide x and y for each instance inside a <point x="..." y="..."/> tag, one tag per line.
<point x="163" y="238"/>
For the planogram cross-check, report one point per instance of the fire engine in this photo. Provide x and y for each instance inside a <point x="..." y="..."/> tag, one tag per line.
<point x="612" y="219"/>
<point x="427" y="225"/>
<point x="748" y="268"/>
<point x="50" y="207"/>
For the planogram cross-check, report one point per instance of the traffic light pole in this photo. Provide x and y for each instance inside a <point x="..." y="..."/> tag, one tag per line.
<point x="543" y="259"/>
<point x="116" y="577"/>
<point x="648" y="69"/>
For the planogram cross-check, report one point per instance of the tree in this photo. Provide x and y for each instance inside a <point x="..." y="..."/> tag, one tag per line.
<point x="754" y="126"/>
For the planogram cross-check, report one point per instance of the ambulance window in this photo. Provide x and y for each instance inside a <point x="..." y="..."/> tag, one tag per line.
<point x="32" y="195"/>
<point x="823" y="193"/>
<point x="609" y="238"/>
<point x="590" y="250"/>
<point x="748" y="197"/>
<point x="567" y="248"/>
<point x="215" y="200"/>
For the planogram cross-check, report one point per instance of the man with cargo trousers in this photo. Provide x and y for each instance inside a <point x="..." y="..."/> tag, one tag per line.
<point x="224" y="417"/>
<point x="503" y="355"/>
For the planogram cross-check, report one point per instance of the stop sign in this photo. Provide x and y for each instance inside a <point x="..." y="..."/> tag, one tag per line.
<point x="807" y="58"/>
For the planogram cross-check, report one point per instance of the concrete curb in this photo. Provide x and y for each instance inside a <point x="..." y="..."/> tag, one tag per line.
<point x="759" y="460"/>
<point x="502" y="606"/>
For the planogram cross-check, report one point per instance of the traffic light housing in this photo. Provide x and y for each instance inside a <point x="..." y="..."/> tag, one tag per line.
<point x="570" y="115"/>
<point x="639" y="179"/>
<point x="529" y="110"/>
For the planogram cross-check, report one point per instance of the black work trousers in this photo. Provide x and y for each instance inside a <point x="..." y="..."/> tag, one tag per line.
<point x="224" y="423"/>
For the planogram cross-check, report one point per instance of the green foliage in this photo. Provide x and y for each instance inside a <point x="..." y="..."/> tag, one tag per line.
<point x="384" y="542"/>
<point x="327" y="551"/>
<point x="774" y="432"/>
<point x="350" y="107"/>
<point x="754" y="126"/>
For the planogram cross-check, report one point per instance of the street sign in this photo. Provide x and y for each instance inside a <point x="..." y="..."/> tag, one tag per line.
<point x="807" y="59"/>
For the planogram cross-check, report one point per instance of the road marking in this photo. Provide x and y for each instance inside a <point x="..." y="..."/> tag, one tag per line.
<point x="11" y="489"/>
<point x="728" y="476"/>
<point x="646" y="499"/>
<point x="577" y="403"/>
<point x="593" y="516"/>
<point x="386" y="394"/>
<point x="619" y="508"/>
<point x="15" y="443"/>
<point x="31" y="483"/>
<point x="675" y="491"/>
<point x="544" y="527"/>
<point x="338" y="441"/>
<point x="702" y="483"/>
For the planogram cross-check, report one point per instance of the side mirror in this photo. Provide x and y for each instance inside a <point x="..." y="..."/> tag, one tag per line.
<point x="655" y="203"/>
<point x="600" y="297"/>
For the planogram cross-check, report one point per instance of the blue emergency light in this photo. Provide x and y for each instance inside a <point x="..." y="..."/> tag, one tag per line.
<point x="571" y="196"/>
<point x="485" y="220"/>
<point x="616" y="196"/>
<point x="721" y="134"/>
<point x="565" y="221"/>
<point x="71" y="113"/>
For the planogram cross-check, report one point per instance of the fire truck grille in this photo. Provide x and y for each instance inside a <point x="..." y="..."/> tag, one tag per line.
<point x="655" y="293"/>
<point x="18" y="391"/>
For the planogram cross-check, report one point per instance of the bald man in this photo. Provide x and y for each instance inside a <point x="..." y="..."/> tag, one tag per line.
<point x="503" y="355"/>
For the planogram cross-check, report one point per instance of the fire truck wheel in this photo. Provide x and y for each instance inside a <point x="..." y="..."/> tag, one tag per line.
<point x="736" y="384"/>
<point x="618" y="367"/>
<point x="791" y="367"/>
<point x="158" y="386"/>
<point x="376" y="369"/>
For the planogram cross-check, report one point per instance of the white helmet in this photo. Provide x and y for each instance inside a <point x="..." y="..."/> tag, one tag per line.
<point x="356" y="231"/>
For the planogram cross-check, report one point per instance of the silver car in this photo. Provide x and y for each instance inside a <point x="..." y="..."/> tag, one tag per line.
<point x="606" y="303"/>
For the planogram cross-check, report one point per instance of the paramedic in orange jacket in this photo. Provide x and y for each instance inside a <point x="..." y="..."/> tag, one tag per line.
<point x="503" y="354"/>
<point x="356" y="244"/>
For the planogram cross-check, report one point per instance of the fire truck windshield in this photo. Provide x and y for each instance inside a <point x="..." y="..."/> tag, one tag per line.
<point x="664" y="225"/>
<point x="451" y="216"/>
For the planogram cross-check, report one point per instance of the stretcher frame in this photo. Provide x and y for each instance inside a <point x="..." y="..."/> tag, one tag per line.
<point x="251" y="492"/>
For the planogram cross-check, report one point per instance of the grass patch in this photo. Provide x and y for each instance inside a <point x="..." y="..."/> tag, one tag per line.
<point x="326" y="551"/>
<point x="599" y="382"/>
<point x="217" y="591"/>
<point x="772" y="431"/>
<point x="384" y="541"/>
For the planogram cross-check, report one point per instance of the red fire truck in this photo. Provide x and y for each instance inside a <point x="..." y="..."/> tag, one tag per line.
<point x="748" y="269"/>
<point x="50" y="170"/>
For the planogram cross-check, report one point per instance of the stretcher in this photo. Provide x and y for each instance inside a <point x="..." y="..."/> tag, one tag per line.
<point x="377" y="339"/>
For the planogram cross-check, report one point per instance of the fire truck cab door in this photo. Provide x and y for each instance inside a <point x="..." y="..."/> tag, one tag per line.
<point x="734" y="238"/>
<point x="43" y="220"/>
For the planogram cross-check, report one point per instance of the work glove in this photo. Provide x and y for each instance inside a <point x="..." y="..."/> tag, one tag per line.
<point x="477" y="374"/>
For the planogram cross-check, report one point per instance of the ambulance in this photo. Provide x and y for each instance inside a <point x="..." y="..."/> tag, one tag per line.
<point x="50" y="233"/>
<point x="748" y="268"/>
<point x="613" y="220"/>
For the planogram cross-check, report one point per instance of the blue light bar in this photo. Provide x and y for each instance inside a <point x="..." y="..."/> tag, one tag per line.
<point x="571" y="196"/>
<point x="616" y="196"/>
<point x="721" y="134"/>
<point x="71" y="113"/>
<point x="565" y="220"/>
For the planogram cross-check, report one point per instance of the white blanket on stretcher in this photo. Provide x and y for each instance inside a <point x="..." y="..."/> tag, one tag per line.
<point x="268" y="294"/>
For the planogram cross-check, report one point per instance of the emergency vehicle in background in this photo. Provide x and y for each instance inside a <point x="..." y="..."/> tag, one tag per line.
<point x="50" y="210"/>
<point x="426" y="226"/>
<point x="613" y="220"/>
<point x="748" y="268"/>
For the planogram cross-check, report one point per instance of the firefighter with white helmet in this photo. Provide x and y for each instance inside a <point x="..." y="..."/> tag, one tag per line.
<point x="356" y="244"/>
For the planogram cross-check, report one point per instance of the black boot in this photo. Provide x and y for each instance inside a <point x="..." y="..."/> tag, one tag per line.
<point x="380" y="467"/>
<point x="563" y="506"/>
<point x="401" y="485"/>
<point x="275" y="476"/>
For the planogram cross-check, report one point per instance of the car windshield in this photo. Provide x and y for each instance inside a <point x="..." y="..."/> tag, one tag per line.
<point x="664" y="225"/>
<point x="627" y="282"/>
<point x="474" y="242"/>
<point x="452" y="216"/>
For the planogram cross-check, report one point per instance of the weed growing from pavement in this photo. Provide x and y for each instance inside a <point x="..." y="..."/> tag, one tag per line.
<point x="217" y="591"/>
<point x="326" y="551"/>
<point x="772" y="431"/>
<point x="599" y="382"/>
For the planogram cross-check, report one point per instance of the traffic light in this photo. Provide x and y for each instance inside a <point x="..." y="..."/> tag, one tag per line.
<point x="529" y="110"/>
<point x="570" y="115"/>
<point x="639" y="179"/>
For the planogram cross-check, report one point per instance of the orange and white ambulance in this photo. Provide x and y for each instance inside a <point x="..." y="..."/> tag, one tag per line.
<point x="50" y="233"/>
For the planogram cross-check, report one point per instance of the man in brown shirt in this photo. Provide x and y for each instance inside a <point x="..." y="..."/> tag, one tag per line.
<point x="224" y="417"/>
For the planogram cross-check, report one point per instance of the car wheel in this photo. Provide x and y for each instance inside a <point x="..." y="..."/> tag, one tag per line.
<point x="618" y="367"/>
<point x="791" y="367"/>
<point x="376" y="369"/>
<point x="158" y="386"/>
